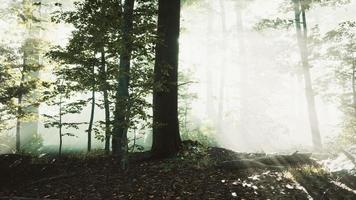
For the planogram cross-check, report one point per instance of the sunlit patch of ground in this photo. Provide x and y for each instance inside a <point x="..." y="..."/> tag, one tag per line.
<point x="190" y="176"/>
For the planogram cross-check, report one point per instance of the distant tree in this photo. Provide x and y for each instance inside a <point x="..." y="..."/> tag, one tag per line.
<point x="240" y="7"/>
<point x="302" y="36"/>
<point x="31" y="18"/>
<point x="300" y="8"/>
<point x="338" y="82"/>
<point x="14" y="86"/>
<point x="58" y="96"/>
<point x="166" y="137"/>
<point x="341" y="51"/>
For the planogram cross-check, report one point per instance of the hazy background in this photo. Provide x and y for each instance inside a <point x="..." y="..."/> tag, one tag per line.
<point x="247" y="86"/>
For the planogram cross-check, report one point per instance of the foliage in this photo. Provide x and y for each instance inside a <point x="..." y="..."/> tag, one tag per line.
<point x="14" y="85"/>
<point x="90" y="60"/>
<point x="277" y="23"/>
<point x="196" y="154"/>
<point x="34" y="145"/>
<point x="7" y="143"/>
<point x="338" y="82"/>
<point x="191" y="131"/>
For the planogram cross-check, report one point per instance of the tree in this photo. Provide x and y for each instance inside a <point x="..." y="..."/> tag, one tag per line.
<point x="299" y="8"/>
<point x="302" y="36"/>
<point x="338" y="82"/>
<point x="22" y="69"/>
<point x="31" y="16"/>
<point x="221" y="100"/>
<point x="100" y="39"/>
<point x="120" y="143"/>
<point x="166" y="137"/>
<point x="92" y="48"/>
<point x="210" y="109"/>
<point x="342" y="50"/>
<point x="240" y="6"/>
<point x="58" y="94"/>
<point x="105" y="87"/>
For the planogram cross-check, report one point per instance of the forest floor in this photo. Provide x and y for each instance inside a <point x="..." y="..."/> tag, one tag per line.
<point x="192" y="175"/>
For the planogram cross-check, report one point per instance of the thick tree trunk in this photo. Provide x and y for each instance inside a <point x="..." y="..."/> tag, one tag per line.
<point x="91" y="121"/>
<point x="302" y="42"/>
<point x="119" y="140"/>
<point x="166" y="137"/>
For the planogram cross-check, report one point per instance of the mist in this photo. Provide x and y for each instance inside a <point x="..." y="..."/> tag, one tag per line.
<point x="245" y="86"/>
<point x="263" y="102"/>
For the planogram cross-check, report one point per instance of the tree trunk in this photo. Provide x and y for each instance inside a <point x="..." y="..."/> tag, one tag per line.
<point x="18" y="125"/>
<point x="18" y="133"/>
<point x="243" y="125"/>
<point x="19" y="112"/>
<point x="31" y="58"/>
<point x="354" y="86"/>
<point x="60" y="126"/>
<point x="210" y="109"/>
<point x="104" y="89"/>
<point x="119" y="140"/>
<point x="166" y="137"/>
<point x="91" y="121"/>
<point x="220" y="119"/>
<point x="302" y="43"/>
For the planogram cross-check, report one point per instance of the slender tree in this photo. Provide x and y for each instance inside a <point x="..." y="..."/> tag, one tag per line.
<point x="119" y="140"/>
<point x="243" y="68"/>
<point x="31" y="51"/>
<point x="166" y="137"/>
<point x="340" y="73"/>
<point x="105" y="89"/>
<point x="57" y="95"/>
<point x="19" y="112"/>
<point x="220" y="119"/>
<point x="92" y="110"/>
<point x="302" y="35"/>
<point x="209" y="51"/>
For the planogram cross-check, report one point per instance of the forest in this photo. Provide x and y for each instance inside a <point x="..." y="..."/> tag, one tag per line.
<point x="178" y="99"/>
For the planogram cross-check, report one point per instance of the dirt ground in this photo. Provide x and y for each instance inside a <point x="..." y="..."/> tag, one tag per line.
<point x="189" y="176"/>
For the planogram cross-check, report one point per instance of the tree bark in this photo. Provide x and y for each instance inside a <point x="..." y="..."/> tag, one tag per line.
<point x="119" y="140"/>
<point x="354" y="86"/>
<point x="19" y="112"/>
<point x="91" y="121"/>
<point x="60" y="126"/>
<point x="104" y="89"/>
<point x="302" y="43"/>
<point x="166" y="136"/>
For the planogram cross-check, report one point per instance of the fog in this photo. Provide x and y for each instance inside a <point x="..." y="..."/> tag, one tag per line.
<point x="248" y="86"/>
<point x="264" y="107"/>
